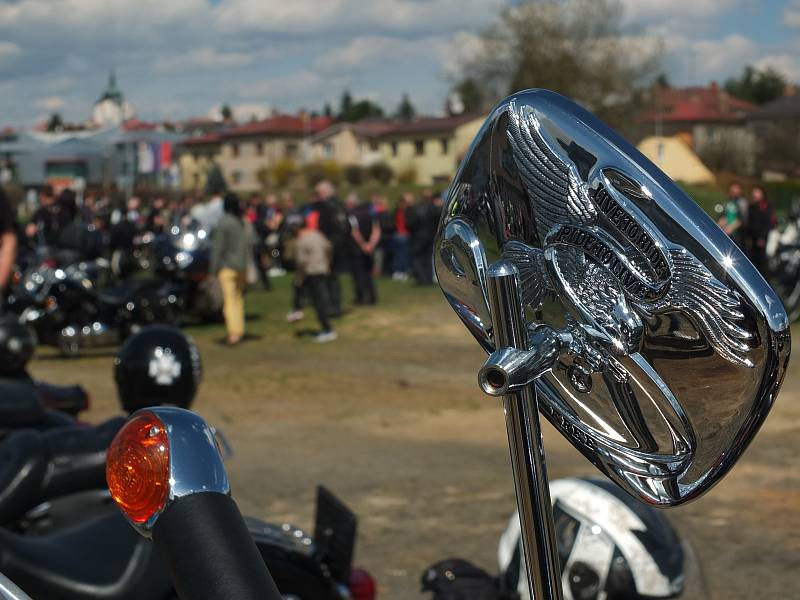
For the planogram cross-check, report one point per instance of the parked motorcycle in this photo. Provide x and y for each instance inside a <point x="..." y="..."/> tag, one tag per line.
<point x="181" y="255"/>
<point x="66" y="310"/>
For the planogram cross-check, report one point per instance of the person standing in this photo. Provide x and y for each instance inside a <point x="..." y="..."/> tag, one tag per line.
<point x="333" y="224"/>
<point x="365" y="234"/>
<point x="43" y="226"/>
<point x="400" y="260"/>
<point x="8" y="242"/>
<point x="760" y="221"/>
<point x="423" y="224"/>
<point x="732" y="219"/>
<point x="229" y="255"/>
<point x="312" y="254"/>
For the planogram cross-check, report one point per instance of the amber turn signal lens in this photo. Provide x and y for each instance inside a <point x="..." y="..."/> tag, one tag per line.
<point x="137" y="467"/>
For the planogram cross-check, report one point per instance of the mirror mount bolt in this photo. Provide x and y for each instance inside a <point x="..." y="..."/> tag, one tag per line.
<point x="509" y="369"/>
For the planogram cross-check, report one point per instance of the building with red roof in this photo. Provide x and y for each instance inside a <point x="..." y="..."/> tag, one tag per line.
<point x="427" y="147"/>
<point x="709" y="119"/>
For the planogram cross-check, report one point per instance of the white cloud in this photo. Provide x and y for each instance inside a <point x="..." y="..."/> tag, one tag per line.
<point x="685" y="12"/>
<point x="371" y="50"/>
<point x="309" y="16"/>
<point x="8" y="50"/>
<point x="787" y="64"/>
<point x="719" y="58"/>
<point x="61" y="83"/>
<point x="50" y="103"/>
<point x="204" y="58"/>
<point x="791" y="15"/>
<point x="307" y="84"/>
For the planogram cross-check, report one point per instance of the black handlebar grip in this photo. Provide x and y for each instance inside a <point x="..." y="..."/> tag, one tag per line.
<point x="210" y="552"/>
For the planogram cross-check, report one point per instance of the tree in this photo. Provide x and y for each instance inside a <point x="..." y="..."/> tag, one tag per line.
<point x="469" y="97"/>
<point x="55" y="122"/>
<point x="227" y="112"/>
<point x="662" y="80"/>
<point x="360" y="110"/>
<point x="758" y="87"/>
<point x="573" y="47"/>
<point x="327" y="110"/>
<point x="405" y="110"/>
<point x="282" y="172"/>
<point x="354" y="174"/>
<point x="346" y="105"/>
<point x="381" y="172"/>
<point x="215" y="181"/>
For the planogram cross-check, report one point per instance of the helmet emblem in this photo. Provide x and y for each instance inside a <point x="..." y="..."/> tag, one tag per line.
<point x="164" y="368"/>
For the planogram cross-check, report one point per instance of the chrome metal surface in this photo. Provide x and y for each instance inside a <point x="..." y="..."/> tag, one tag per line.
<point x="540" y="552"/>
<point x="9" y="591"/>
<point x="673" y="346"/>
<point x="195" y="462"/>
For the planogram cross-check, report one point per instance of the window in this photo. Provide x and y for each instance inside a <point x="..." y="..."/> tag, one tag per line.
<point x="291" y="150"/>
<point x="419" y="147"/>
<point x="235" y="150"/>
<point x="445" y="145"/>
<point x="373" y="146"/>
<point x="236" y="176"/>
<point x="394" y="148"/>
<point x="327" y="150"/>
<point x="259" y="148"/>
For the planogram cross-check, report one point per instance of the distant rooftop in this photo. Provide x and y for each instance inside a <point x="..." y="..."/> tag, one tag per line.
<point x="695" y="105"/>
<point x="787" y="106"/>
<point x="280" y="125"/>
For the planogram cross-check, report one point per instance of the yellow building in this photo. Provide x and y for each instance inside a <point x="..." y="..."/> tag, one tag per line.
<point x="676" y="158"/>
<point x="431" y="148"/>
<point x="424" y="150"/>
<point x="350" y="143"/>
<point x="248" y="149"/>
<point x="197" y="157"/>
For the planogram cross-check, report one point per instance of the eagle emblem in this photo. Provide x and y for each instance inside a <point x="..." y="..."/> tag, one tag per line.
<point x="604" y="258"/>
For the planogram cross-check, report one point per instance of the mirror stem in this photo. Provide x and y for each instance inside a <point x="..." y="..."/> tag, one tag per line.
<point x="520" y="406"/>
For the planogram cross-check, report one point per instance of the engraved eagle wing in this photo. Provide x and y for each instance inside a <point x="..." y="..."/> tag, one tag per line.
<point x="711" y="305"/>
<point x="534" y="280"/>
<point x="550" y="179"/>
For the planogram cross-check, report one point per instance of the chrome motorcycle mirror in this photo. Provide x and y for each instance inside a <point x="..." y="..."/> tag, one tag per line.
<point x="606" y="296"/>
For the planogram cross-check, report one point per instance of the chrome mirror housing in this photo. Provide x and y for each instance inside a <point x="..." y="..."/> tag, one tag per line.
<point x="664" y="346"/>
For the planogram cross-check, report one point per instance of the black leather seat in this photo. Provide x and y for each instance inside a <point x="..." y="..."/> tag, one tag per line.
<point x="36" y="466"/>
<point x="101" y="558"/>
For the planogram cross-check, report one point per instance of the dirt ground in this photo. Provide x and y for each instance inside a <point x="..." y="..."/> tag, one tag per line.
<point x="390" y="418"/>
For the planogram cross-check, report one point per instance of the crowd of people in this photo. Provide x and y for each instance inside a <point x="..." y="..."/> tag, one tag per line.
<point x="748" y="222"/>
<point x="322" y="240"/>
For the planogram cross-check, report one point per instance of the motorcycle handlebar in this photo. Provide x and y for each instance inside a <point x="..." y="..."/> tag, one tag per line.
<point x="210" y="552"/>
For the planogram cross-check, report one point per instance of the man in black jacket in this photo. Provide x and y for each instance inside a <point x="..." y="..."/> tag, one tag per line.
<point x="333" y="224"/>
<point x="423" y="225"/>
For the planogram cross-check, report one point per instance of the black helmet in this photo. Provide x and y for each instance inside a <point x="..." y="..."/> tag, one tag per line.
<point x="17" y="344"/>
<point x="157" y="365"/>
<point x="610" y="546"/>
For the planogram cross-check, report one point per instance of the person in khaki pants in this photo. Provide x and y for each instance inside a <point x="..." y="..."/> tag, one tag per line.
<point x="229" y="256"/>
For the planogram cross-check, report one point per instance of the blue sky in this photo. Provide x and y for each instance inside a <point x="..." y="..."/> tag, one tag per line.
<point x="181" y="58"/>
